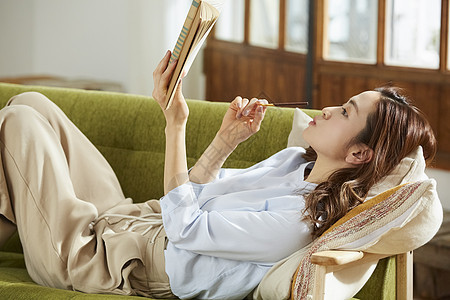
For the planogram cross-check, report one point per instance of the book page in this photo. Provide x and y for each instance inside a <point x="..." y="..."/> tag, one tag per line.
<point x="208" y="20"/>
<point x="217" y="4"/>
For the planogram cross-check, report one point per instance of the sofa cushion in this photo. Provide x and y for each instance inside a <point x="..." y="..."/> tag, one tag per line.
<point x="129" y="131"/>
<point x="411" y="168"/>
<point x="299" y="123"/>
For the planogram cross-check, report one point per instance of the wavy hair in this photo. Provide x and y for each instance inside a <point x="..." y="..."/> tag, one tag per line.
<point x="393" y="130"/>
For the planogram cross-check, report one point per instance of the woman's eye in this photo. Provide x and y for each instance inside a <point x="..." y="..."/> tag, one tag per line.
<point x="344" y="112"/>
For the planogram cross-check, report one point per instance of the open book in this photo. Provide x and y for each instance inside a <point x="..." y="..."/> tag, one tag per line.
<point x="201" y="17"/>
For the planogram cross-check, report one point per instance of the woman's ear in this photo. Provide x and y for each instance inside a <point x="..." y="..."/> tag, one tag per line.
<point x="359" y="154"/>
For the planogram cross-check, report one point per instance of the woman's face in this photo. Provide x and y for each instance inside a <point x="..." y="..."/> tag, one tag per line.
<point x="330" y="133"/>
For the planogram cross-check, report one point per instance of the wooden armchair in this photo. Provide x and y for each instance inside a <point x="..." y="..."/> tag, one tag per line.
<point x="393" y="223"/>
<point x="334" y="260"/>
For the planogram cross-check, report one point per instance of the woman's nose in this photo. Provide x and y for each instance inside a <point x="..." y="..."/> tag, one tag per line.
<point x="326" y="113"/>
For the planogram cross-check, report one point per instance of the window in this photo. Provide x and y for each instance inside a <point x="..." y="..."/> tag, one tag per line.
<point x="413" y="33"/>
<point x="358" y="45"/>
<point x="264" y="23"/>
<point x="297" y="16"/>
<point x="230" y="25"/>
<point x="351" y="30"/>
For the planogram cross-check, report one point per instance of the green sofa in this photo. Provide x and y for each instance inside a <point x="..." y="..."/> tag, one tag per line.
<point x="129" y="131"/>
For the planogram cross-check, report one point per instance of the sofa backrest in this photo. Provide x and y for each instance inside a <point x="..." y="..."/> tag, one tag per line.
<point x="129" y="131"/>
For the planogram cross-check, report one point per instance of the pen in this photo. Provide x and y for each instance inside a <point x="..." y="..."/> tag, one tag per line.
<point x="286" y="104"/>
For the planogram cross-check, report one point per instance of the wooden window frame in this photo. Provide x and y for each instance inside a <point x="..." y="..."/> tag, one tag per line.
<point x="320" y="29"/>
<point x="327" y="82"/>
<point x="245" y="49"/>
<point x="419" y="81"/>
<point x="281" y="28"/>
<point x="322" y="24"/>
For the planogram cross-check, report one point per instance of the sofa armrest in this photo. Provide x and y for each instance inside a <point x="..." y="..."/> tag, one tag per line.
<point x="335" y="260"/>
<point x="336" y="257"/>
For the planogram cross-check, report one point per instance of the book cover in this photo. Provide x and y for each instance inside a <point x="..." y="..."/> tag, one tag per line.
<point x="199" y="21"/>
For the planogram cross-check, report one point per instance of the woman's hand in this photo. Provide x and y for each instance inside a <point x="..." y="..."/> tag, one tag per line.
<point x="175" y="164"/>
<point x="178" y="112"/>
<point x="242" y="120"/>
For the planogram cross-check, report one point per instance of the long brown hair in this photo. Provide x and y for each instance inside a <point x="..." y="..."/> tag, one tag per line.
<point x="393" y="130"/>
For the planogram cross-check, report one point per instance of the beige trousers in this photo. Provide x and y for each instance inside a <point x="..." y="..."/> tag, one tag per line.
<point x="77" y="229"/>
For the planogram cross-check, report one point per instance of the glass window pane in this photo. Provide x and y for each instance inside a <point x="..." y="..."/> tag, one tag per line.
<point x="352" y="31"/>
<point x="412" y="33"/>
<point x="264" y="21"/>
<point x="297" y="25"/>
<point x="230" y="25"/>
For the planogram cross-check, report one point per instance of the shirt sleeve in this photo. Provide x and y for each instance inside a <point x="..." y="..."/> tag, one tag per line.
<point x="254" y="236"/>
<point x="291" y="153"/>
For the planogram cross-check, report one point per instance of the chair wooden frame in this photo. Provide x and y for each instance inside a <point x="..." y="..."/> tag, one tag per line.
<point x="334" y="260"/>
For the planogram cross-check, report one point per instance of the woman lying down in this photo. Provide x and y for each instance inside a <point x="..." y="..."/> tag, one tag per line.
<point x="216" y="232"/>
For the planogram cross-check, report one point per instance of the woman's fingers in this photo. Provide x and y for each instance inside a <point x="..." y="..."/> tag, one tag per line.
<point x="168" y="72"/>
<point x="161" y="77"/>
<point x="259" y="115"/>
<point x="255" y="112"/>
<point x="162" y="65"/>
<point x="239" y="105"/>
<point x="158" y="90"/>
<point x="252" y="106"/>
<point x="246" y="108"/>
<point x="251" y="110"/>
<point x="164" y="61"/>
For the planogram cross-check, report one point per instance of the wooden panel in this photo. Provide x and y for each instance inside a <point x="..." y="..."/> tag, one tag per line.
<point x="331" y="91"/>
<point x="237" y="69"/>
<point x="353" y="85"/>
<point x="269" y="73"/>
<point x="213" y="83"/>
<point x="285" y="90"/>
<point x="427" y="97"/>
<point x="373" y="83"/>
<point x="255" y="81"/>
<point x="243" y="74"/>
<point x="427" y="88"/>
<point x="229" y="78"/>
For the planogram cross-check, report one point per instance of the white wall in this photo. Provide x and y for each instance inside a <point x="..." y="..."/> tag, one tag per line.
<point x="16" y="32"/>
<point x="442" y="178"/>
<point x="112" y="40"/>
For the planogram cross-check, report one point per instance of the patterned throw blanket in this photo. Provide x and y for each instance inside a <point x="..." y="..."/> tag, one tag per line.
<point x="396" y="206"/>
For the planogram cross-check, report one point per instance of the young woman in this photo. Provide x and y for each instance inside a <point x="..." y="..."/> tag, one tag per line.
<point x="215" y="232"/>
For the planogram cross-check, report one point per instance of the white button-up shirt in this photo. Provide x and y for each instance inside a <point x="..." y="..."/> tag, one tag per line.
<point x="225" y="235"/>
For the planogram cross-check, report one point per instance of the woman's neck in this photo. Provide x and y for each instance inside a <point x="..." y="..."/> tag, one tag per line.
<point x="323" y="168"/>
